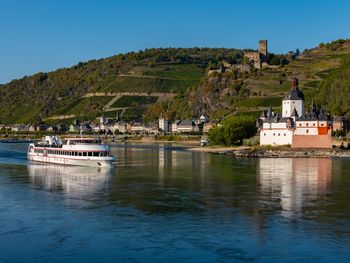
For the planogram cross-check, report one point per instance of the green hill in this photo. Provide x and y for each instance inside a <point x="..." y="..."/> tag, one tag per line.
<point x="61" y="92"/>
<point x="174" y="81"/>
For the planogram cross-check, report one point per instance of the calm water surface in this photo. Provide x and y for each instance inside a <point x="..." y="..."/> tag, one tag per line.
<point x="165" y="204"/>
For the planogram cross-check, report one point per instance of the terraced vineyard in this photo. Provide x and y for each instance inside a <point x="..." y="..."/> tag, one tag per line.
<point x="84" y="105"/>
<point x="270" y="85"/>
<point x="148" y="85"/>
<point x="133" y="114"/>
<point x="260" y="102"/>
<point x="112" y="114"/>
<point x="133" y="101"/>
<point x="180" y="72"/>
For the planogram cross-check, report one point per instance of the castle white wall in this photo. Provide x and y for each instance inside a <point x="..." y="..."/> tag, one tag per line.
<point x="275" y="137"/>
<point x="309" y="127"/>
<point x="289" y="105"/>
<point x="275" y="125"/>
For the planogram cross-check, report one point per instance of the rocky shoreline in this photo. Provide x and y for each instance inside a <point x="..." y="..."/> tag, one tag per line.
<point x="302" y="153"/>
<point x="276" y="153"/>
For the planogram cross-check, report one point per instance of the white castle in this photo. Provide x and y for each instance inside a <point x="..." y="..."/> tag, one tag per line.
<point x="296" y="127"/>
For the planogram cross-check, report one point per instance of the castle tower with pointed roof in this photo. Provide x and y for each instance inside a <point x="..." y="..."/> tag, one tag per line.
<point x="293" y="101"/>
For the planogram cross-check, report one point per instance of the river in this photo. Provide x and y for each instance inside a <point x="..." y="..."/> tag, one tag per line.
<point x="161" y="203"/>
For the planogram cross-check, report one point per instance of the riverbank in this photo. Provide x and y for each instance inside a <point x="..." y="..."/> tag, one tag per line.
<point x="274" y="152"/>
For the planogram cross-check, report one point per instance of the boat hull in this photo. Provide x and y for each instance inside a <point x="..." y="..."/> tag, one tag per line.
<point x="92" y="162"/>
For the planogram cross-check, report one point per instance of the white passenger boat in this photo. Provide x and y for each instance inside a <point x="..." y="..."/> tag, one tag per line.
<point x="71" y="151"/>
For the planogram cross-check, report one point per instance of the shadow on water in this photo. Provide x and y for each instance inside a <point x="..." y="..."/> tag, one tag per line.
<point x="78" y="181"/>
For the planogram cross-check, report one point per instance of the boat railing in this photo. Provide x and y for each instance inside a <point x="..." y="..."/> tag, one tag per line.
<point x="47" y="145"/>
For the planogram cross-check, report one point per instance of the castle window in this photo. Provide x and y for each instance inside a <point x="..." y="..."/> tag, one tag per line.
<point x="314" y="124"/>
<point x="293" y="102"/>
<point x="307" y="124"/>
<point x="279" y="134"/>
<point x="273" y="134"/>
<point x="322" y="124"/>
<point x="299" y="124"/>
<point x="284" y="134"/>
<point x="264" y="134"/>
<point x="307" y="131"/>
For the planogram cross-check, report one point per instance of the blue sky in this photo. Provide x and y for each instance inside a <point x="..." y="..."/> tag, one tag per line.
<point x="39" y="35"/>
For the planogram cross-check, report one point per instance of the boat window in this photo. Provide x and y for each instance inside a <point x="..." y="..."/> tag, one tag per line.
<point x="80" y="153"/>
<point x="92" y="141"/>
<point x="96" y="154"/>
<point x="84" y="153"/>
<point x="89" y="153"/>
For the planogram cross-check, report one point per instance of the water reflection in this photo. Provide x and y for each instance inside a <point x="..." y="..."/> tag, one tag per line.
<point x="72" y="180"/>
<point x="295" y="182"/>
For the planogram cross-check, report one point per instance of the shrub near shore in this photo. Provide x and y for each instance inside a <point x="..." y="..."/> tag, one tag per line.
<point x="233" y="131"/>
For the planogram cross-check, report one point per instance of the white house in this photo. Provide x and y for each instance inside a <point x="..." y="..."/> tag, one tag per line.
<point x="120" y="126"/>
<point x="186" y="126"/>
<point x="164" y="125"/>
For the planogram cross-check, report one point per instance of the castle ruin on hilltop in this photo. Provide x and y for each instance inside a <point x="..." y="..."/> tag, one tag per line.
<point x="258" y="57"/>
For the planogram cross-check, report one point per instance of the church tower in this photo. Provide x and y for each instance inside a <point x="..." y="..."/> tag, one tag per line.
<point x="293" y="103"/>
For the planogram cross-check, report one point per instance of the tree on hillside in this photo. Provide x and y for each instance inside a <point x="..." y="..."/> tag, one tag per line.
<point x="334" y="91"/>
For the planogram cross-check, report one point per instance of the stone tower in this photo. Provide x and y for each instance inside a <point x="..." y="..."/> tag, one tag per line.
<point x="263" y="47"/>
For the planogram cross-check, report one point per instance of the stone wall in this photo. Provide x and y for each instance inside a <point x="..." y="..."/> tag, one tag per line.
<point x="312" y="141"/>
<point x="252" y="56"/>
